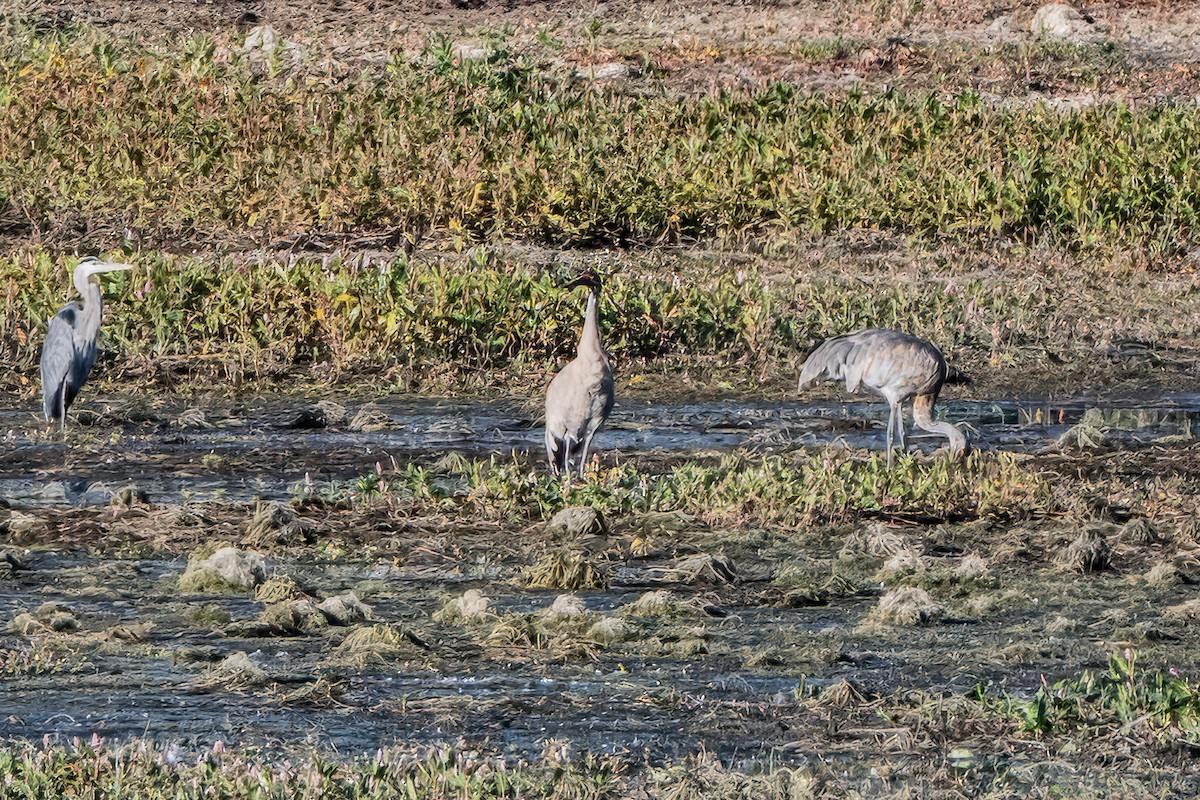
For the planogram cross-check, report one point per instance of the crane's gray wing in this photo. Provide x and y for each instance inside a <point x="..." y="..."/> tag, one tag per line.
<point x="829" y="360"/>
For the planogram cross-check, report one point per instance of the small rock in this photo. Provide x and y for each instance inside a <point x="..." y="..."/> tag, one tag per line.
<point x="261" y="38"/>
<point x="466" y="51"/>
<point x="565" y="605"/>
<point x="472" y="606"/>
<point x="344" y="609"/>
<point x="1063" y="22"/>
<point x="614" y="70"/>
<point x="578" y="521"/>
<point x="228" y="569"/>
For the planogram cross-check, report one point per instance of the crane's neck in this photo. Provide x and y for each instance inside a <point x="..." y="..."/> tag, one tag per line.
<point x="589" y="340"/>
<point x="923" y="417"/>
<point x="958" y="442"/>
<point x="93" y="302"/>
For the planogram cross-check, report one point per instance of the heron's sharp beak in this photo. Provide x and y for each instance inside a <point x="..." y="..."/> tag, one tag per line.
<point x="105" y="266"/>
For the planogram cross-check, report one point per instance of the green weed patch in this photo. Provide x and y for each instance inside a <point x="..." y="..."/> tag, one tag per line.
<point x="450" y="319"/>
<point x="739" y="489"/>
<point x="203" y="137"/>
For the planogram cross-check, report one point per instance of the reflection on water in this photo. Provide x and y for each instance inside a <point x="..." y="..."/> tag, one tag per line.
<point x="257" y="452"/>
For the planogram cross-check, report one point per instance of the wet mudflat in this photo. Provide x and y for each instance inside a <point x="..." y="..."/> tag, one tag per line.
<point x="379" y="613"/>
<point x="265" y="449"/>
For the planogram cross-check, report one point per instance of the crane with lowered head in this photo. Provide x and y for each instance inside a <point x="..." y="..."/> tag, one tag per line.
<point x="894" y="365"/>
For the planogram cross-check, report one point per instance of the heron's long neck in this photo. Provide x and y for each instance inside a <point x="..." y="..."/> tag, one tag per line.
<point x="93" y="304"/>
<point x="589" y="340"/>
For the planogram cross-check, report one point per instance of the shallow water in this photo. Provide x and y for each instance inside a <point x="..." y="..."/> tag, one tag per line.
<point x="660" y="707"/>
<point x="722" y="698"/>
<point x="253" y="451"/>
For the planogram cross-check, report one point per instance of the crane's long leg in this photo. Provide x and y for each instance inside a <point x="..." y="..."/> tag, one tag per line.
<point x="900" y="426"/>
<point x="551" y="453"/>
<point x="890" y="430"/>
<point x="587" y="444"/>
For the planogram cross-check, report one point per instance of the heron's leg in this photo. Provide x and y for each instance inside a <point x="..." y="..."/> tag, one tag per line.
<point x="62" y="405"/>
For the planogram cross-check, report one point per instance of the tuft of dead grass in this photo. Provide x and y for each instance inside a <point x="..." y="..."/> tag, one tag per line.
<point x="660" y="602"/>
<point x="470" y="607"/>
<point x="273" y="523"/>
<point x="1164" y="573"/>
<point x="278" y="589"/>
<point x="876" y="539"/>
<point x="973" y="567"/>
<point x="841" y="694"/>
<point x="1088" y="553"/>
<point x="902" y="564"/>
<point x="1139" y="531"/>
<point x="699" y="568"/>
<point x="907" y="605"/>
<point x="237" y="671"/>
<point x="369" y="419"/>
<point x="1186" y="612"/>
<point x="378" y="646"/>
<point x="567" y="569"/>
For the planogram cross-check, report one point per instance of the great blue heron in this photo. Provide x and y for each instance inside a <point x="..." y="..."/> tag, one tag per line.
<point x="70" y="347"/>
<point x="892" y="364"/>
<point x="581" y="396"/>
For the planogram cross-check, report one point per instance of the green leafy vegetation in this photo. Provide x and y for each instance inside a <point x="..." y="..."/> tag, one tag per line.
<point x="205" y="137"/>
<point x="737" y="488"/>
<point x="453" y="319"/>
<point x="1161" y="704"/>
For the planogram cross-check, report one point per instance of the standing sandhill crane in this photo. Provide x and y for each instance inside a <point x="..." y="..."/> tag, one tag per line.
<point x="581" y="396"/>
<point x="893" y="364"/>
<point x="70" y="347"/>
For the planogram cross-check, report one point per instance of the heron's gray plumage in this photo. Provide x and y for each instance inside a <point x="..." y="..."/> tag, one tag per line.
<point x="894" y="365"/>
<point x="69" y="352"/>
<point x="580" y="397"/>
